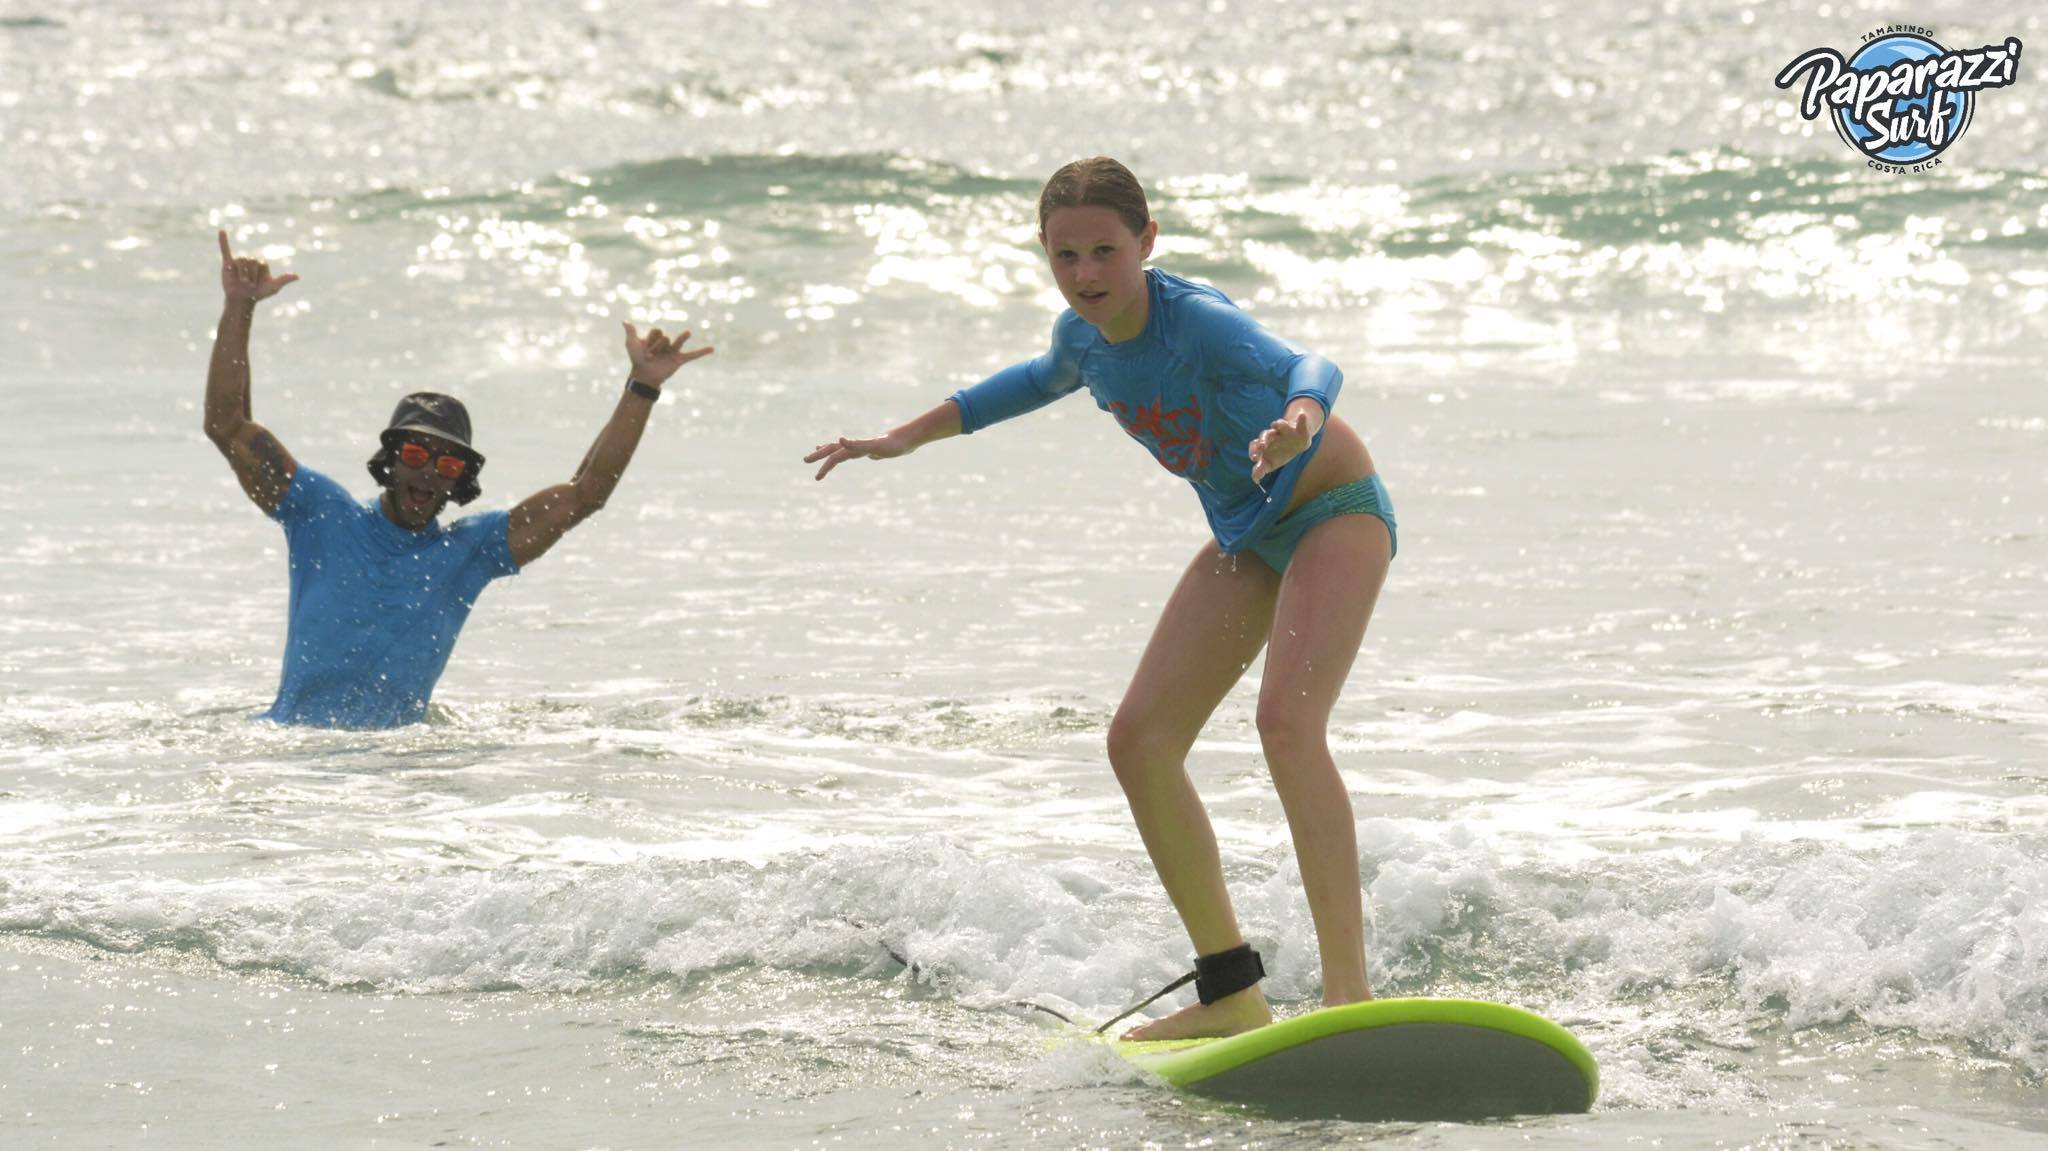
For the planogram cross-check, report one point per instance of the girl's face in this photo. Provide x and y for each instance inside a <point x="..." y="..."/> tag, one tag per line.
<point x="1099" y="264"/>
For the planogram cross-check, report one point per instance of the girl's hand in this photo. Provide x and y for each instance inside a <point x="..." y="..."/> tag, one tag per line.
<point x="886" y="447"/>
<point x="1287" y="438"/>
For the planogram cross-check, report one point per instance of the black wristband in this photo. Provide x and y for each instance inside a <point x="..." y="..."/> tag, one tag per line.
<point x="644" y="391"/>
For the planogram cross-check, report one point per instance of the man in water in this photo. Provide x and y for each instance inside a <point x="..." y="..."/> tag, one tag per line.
<point x="379" y="588"/>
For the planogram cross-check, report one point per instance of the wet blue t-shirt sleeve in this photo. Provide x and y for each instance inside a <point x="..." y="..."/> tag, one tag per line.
<point x="1024" y="387"/>
<point x="310" y="494"/>
<point x="1239" y="345"/>
<point x="488" y="537"/>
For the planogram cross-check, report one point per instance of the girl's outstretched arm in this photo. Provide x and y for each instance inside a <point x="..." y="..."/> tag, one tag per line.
<point x="1015" y="390"/>
<point x="939" y="423"/>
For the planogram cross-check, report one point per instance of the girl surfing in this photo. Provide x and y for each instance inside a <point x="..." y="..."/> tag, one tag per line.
<point x="1245" y="418"/>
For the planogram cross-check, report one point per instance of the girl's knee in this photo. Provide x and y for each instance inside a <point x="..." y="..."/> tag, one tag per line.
<point x="1138" y="751"/>
<point x="1289" y="730"/>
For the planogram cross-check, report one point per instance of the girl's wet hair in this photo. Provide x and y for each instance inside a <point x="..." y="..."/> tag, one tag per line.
<point x="1097" y="182"/>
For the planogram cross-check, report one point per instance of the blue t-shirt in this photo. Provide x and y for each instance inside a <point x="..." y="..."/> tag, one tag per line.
<point x="375" y="608"/>
<point x="1196" y="387"/>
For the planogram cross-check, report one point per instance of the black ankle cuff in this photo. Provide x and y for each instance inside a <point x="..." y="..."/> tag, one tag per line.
<point x="1227" y="972"/>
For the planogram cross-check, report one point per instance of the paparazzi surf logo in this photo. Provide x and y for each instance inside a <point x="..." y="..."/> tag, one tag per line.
<point x="1902" y="99"/>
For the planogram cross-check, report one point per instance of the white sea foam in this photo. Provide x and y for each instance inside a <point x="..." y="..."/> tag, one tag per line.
<point x="1945" y="936"/>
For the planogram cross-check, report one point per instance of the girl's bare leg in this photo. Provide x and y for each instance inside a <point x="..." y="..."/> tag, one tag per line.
<point x="1209" y="633"/>
<point x="1325" y="601"/>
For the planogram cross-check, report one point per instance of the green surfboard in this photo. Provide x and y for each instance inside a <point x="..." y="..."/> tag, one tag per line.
<point x="1414" y="1059"/>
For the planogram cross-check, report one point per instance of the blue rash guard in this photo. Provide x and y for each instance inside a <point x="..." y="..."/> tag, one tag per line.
<point x="375" y="608"/>
<point x="1196" y="387"/>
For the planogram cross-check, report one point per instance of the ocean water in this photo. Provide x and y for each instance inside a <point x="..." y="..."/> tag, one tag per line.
<point x="1705" y="710"/>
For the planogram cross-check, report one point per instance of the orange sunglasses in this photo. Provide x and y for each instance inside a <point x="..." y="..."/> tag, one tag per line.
<point x="417" y="455"/>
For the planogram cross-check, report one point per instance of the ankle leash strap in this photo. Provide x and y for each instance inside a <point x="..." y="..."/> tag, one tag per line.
<point x="1215" y="976"/>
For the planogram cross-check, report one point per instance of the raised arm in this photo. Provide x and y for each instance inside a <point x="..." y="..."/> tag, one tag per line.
<point x="262" y="464"/>
<point x="545" y="516"/>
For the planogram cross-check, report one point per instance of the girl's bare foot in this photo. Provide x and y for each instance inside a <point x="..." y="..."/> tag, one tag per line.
<point x="1229" y="1015"/>
<point x="1358" y="992"/>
